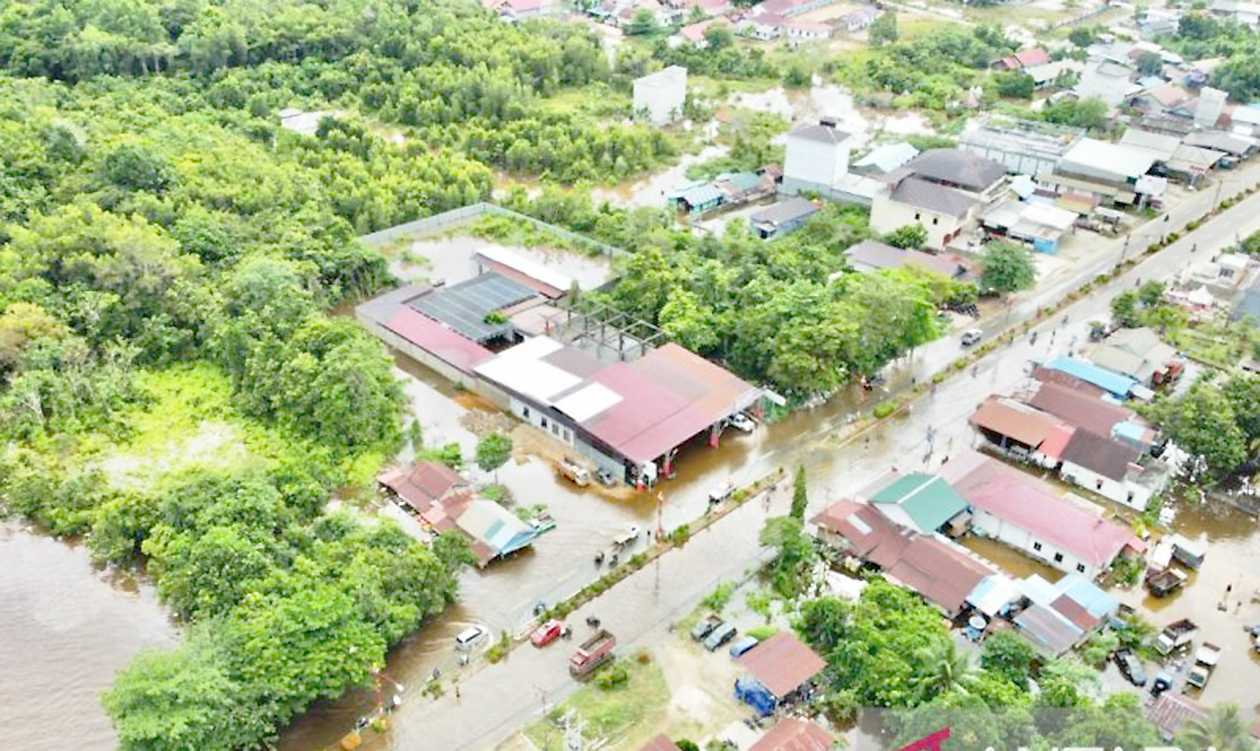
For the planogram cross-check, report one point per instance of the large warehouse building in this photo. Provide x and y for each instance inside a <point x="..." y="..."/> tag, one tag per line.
<point x="628" y="417"/>
<point x="627" y="409"/>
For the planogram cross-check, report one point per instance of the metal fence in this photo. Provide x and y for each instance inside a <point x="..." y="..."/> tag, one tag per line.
<point x="432" y="225"/>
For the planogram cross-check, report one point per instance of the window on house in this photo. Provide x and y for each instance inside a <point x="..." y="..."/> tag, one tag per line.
<point x="525" y="412"/>
<point x="1080" y="568"/>
<point x="543" y="422"/>
<point x="555" y="429"/>
<point x="936" y="220"/>
<point x="1036" y="546"/>
<point x="1058" y="558"/>
<point x="1098" y="485"/>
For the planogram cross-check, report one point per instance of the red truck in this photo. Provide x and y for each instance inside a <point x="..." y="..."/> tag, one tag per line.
<point x="594" y="652"/>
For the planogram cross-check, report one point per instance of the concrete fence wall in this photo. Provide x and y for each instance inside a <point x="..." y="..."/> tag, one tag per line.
<point x="432" y="225"/>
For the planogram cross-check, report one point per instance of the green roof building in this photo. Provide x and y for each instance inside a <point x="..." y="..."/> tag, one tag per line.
<point x="920" y="501"/>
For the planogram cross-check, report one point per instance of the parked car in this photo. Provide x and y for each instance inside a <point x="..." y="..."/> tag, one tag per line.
<point x="574" y="471"/>
<point x="971" y="336"/>
<point x="465" y="639"/>
<point x="1130" y="667"/>
<point x="743" y="422"/>
<point x="720" y="635"/>
<point x="744" y="644"/>
<point x="629" y="536"/>
<point x="547" y="633"/>
<point x="705" y="627"/>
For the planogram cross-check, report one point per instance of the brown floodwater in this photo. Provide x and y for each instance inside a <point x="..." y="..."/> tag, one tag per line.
<point x="65" y="629"/>
<point x="1233" y="561"/>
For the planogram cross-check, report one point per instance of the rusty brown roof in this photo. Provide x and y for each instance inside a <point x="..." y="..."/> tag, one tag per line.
<point x="1014" y="420"/>
<point x="938" y="572"/>
<point x="782" y="663"/>
<point x="1082" y="409"/>
<point x="793" y="734"/>
<point x="1050" y="375"/>
<point x="660" y="743"/>
<point x="1073" y="611"/>
<point x="422" y="484"/>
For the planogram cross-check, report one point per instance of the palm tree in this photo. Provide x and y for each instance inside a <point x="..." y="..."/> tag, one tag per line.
<point x="941" y="668"/>
<point x="1223" y="729"/>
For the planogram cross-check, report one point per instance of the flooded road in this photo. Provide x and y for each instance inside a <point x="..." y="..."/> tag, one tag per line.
<point x="65" y="629"/>
<point x="1233" y="561"/>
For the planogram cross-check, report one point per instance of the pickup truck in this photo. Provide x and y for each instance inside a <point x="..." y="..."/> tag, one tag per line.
<point x="594" y="652"/>
<point x="574" y="471"/>
<point x="705" y="627"/>
<point x="1176" y="635"/>
<point x="1163" y="583"/>
<point x="1205" y="660"/>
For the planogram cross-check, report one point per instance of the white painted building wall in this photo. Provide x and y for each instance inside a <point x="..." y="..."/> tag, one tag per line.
<point x="888" y="215"/>
<point x="1023" y="541"/>
<point x="809" y="164"/>
<point x="661" y="94"/>
<point x="1125" y="493"/>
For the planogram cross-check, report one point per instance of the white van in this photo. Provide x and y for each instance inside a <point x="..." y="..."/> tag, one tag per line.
<point x="468" y="637"/>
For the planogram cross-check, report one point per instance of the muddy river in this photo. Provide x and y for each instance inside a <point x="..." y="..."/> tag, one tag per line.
<point x="65" y="629"/>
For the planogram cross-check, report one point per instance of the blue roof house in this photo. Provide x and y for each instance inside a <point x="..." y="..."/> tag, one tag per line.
<point x="1115" y="384"/>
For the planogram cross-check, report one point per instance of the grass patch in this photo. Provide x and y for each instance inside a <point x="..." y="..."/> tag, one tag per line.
<point x="631" y="706"/>
<point x="761" y="633"/>
<point x="189" y="421"/>
<point x="510" y="231"/>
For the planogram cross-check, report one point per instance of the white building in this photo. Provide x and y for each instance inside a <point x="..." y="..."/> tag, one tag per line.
<point x="817" y="157"/>
<point x="1110" y="468"/>
<point x="943" y="212"/>
<point x="660" y="95"/>
<point x="1020" y="510"/>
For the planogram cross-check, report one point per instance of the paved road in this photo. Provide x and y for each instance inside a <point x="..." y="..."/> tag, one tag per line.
<point x="498" y="699"/>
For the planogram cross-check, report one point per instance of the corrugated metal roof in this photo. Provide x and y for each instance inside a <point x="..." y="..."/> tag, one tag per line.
<point x="792" y="734"/>
<point x="1029" y="504"/>
<point x="1048" y="629"/>
<point x="782" y="663"/>
<point x="465" y="306"/>
<point x="928" y="500"/>
<point x="441" y="341"/>
<point x="1113" y="383"/>
<point x="922" y="194"/>
<point x="421" y="484"/>
<point x="1083" y="410"/>
<point x="660" y="743"/>
<point x="1100" y="454"/>
<point x="1016" y="421"/>
<point x="702" y="194"/>
<point x="785" y="211"/>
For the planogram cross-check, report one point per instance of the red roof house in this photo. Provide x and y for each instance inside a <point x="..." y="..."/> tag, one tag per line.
<point x="422" y="484"/>
<point x="782" y="663"/>
<point x="793" y="734"/>
<point x="660" y="743"/>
